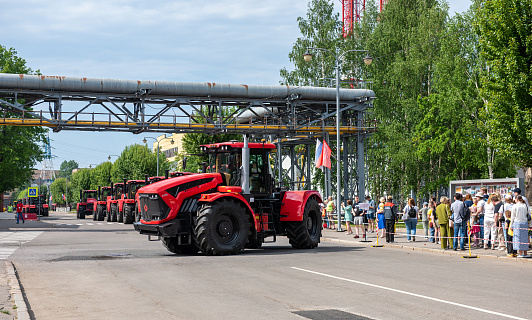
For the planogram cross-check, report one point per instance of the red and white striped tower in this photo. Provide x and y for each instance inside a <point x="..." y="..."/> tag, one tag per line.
<point x="352" y="13"/>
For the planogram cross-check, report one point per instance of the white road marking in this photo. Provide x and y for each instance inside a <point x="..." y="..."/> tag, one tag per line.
<point x="11" y="241"/>
<point x="79" y="224"/>
<point x="412" y="294"/>
<point x="90" y="224"/>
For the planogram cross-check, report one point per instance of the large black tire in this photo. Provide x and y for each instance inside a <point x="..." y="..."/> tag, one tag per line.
<point x="114" y="213"/>
<point x="45" y="213"/>
<point x="109" y="215"/>
<point x="306" y="234"/>
<point x="171" y="244"/>
<point x="119" y="215"/>
<point x="100" y="214"/>
<point x="222" y="227"/>
<point x="82" y="212"/>
<point x="94" y="215"/>
<point x="137" y="213"/>
<point x="129" y="215"/>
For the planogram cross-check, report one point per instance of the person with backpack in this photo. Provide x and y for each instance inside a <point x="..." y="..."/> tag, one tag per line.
<point x="390" y="216"/>
<point x="410" y="217"/>
<point x="461" y="215"/>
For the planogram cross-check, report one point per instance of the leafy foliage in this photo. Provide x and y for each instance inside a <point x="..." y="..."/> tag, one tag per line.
<point x="101" y="175"/>
<point x="66" y="168"/>
<point x="58" y="188"/>
<point x="19" y="146"/>
<point x="135" y="161"/>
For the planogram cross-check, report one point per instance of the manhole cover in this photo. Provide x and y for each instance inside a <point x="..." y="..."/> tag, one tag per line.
<point x="329" y="315"/>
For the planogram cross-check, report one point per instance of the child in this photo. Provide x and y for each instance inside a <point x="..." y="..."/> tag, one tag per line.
<point x="381" y="228"/>
<point x="475" y="231"/>
<point x="509" y="235"/>
<point x="348" y="215"/>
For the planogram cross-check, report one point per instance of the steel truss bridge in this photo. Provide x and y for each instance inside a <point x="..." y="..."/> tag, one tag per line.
<point x="290" y="116"/>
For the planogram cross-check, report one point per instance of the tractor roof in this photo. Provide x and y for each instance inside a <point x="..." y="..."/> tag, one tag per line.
<point x="239" y="145"/>
<point x="136" y="181"/>
<point x="90" y="190"/>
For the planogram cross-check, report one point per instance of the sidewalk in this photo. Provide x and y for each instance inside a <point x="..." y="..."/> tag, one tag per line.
<point x="421" y="244"/>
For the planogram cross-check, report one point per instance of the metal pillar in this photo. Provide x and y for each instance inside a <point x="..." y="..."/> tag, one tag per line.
<point x="327" y="172"/>
<point x="360" y="159"/>
<point x="308" y="163"/>
<point x="345" y="164"/>
<point x="245" y="166"/>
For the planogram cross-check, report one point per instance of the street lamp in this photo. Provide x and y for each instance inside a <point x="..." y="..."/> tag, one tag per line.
<point x="112" y="155"/>
<point x="90" y="165"/>
<point x="307" y="56"/>
<point x="145" y="141"/>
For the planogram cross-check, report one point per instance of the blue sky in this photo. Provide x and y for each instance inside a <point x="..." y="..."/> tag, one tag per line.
<point x="237" y="41"/>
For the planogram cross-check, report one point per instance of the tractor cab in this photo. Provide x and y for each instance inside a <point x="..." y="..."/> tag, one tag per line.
<point x="133" y="186"/>
<point x="89" y="196"/>
<point x="226" y="157"/>
<point x="105" y="193"/>
<point x="118" y="190"/>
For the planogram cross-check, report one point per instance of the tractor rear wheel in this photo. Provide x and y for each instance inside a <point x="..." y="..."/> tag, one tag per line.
<point x="306" y="234"/>
<point x="114" y="213"/>
<point x="129" y="217"/>
<point x="100" y="215"/>
<point x="94" y="215"/>
<point x="222" y="227"/>
<point x="82" y="212"/>
<point x="171" y="244"/>
<point x="108" y="216"/>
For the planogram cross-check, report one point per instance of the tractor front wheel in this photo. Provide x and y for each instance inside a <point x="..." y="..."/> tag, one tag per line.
<point x="222" y="227"/>
<point x="171" y="244"/>
<point x="100" y="213"/>
<point x="82" y="212"/>
<point x="129" y="217"/>
<point x="137" y="213"/>
<point x="306" y="234"/>
<point x="114" y="213"/>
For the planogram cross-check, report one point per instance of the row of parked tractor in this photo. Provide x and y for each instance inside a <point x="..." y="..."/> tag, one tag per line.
<point x="117" y="202"/>
<point x="36" y="205"/>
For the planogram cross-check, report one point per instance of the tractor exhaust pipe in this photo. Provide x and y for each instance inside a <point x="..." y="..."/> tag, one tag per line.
<point x="112" y="190"/>
<point x="99" y="193"/>
<point x="146" y="179"/>
<point x="166" y="173"/>
<point x="124" y="192"/>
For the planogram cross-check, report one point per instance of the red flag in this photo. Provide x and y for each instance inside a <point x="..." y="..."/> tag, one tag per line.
<point x="326" y="155"/>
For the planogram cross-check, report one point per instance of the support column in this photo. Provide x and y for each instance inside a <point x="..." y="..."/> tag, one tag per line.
<point x="360" y="159"/>
<point x="245" y="166"/>
<point x="308" y="185"/>
<point x="280" y="162"/>
<point x="327" y="171"/>
<point x="293" y="167"/>
<point x="345" y="163"/>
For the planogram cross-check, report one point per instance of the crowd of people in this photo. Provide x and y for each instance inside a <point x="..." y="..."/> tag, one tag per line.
<point x="482" y="220"/>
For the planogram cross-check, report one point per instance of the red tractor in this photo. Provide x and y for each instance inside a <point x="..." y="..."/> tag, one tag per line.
<point x="117" y="192"/>
<point x="101" y="205"/>
<point x="87" y="199"/>
<point x="127" y="205"/>
<point x="210" y="212"/>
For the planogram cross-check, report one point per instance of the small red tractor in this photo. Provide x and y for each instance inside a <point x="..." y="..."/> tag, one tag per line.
<point x="210" y="212"/>
<point x="29" y="206"/>
<point x="87" y="199"/>
<point x="42" y="206"/>
<point x="117" y="192"/>
<point x="101" y="205"/>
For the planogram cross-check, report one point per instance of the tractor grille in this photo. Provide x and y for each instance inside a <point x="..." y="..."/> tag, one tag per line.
<point x="152" y="207"/>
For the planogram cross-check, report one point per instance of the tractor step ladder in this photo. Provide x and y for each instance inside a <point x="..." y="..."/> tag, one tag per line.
<point x="266" y="209"/>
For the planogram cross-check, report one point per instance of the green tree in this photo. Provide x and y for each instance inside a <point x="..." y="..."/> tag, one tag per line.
<point x="66" y="167"/>
<point x="135" y="161"/>
<point x="505" y="36"/>
<point x="19" y="146"/>
<point x="58" y="188"/>
<point x="101" y="175"/>
<point x="80" y="180"/>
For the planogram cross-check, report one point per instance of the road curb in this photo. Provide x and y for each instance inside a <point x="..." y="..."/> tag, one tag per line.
<point x="16" y="292"/>
<point x="448" y="252"/>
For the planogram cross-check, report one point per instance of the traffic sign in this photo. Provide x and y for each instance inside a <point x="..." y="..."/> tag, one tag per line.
<point x="32" y="191"/>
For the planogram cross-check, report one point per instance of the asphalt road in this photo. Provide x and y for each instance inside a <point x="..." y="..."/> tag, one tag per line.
<point x="109" y="271"/>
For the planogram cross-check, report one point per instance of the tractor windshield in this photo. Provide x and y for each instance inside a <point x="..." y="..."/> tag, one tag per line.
<point x="106" y="193"/>
<point x="90" y="194"/>
<point x="227" y="163"/>
<point x="132" y="189"/>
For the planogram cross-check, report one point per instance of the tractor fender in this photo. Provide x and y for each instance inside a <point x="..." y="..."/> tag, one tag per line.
<point x="211" y="197"/>
<point x="293" y="204"/>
